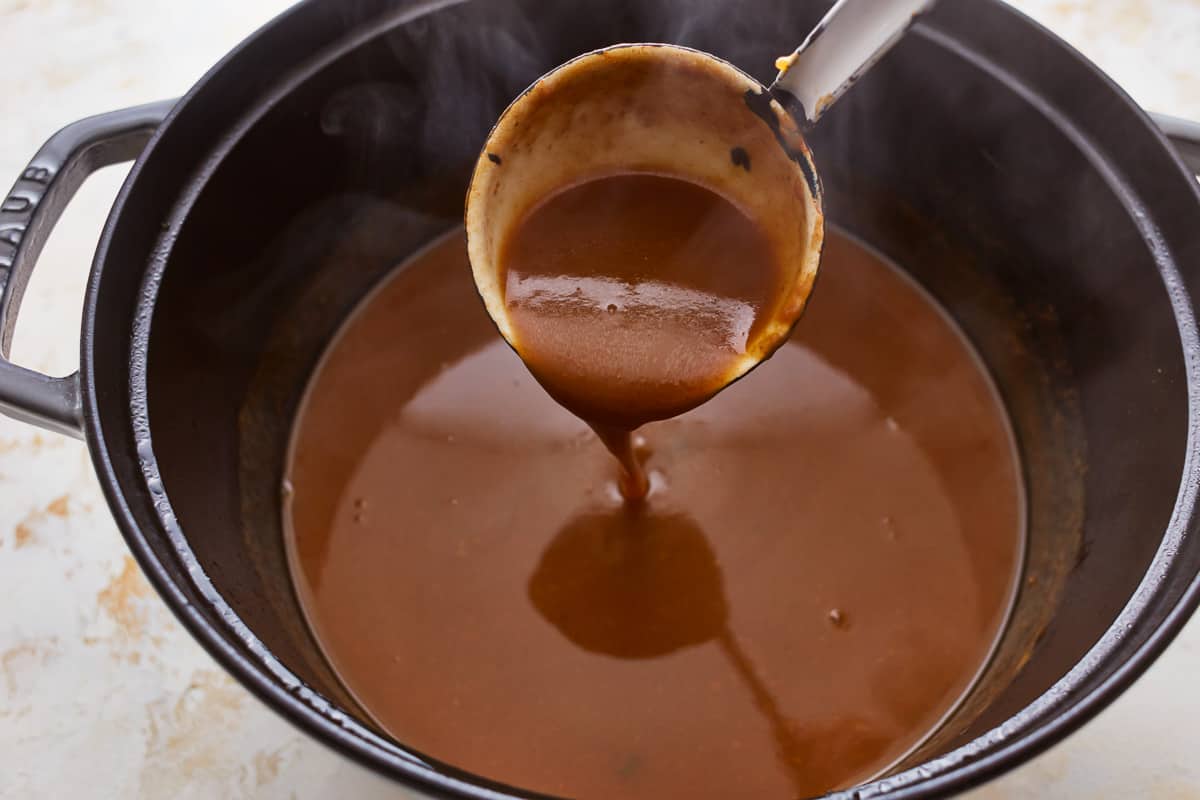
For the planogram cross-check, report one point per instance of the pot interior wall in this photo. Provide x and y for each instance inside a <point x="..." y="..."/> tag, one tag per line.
<point x="932" y="159"/>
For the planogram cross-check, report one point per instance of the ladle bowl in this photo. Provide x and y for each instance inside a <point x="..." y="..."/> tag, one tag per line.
<point x="655" y="109"/>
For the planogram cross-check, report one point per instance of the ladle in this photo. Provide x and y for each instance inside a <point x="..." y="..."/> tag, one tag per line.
<point x="673" y="111"/>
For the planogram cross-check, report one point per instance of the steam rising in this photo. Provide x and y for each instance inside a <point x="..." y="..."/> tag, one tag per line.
<point x="432" y="88"/>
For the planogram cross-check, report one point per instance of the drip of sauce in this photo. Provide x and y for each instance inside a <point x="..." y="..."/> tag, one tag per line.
<point x="636" y="297"/>
<point x="825" y="559"/>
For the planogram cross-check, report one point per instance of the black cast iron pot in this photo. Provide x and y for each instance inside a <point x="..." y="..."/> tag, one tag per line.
<point x="1018" y="184"/>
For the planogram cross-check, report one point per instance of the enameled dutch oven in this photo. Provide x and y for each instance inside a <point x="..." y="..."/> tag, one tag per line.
<point x="1047" y="212"/>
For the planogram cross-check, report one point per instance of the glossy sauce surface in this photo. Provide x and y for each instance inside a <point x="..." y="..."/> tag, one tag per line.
<point x="825" y="559"/>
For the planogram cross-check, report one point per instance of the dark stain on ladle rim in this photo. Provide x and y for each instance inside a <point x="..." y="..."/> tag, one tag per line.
<point x="759" y="102"/>
<point x="740" y="158"/>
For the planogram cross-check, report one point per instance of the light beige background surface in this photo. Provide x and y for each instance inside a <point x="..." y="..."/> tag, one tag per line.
<point x="102" y="694"/>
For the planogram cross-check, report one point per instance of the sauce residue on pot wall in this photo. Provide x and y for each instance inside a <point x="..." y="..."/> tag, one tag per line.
<point x="824" y="562"/>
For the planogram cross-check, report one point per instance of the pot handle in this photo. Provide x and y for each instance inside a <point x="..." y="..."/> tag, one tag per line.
<point x="1185" y="135"/>
<point x="27" y="215"/>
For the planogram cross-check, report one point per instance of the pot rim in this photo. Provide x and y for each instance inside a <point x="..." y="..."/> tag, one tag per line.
<point x="1056" y="713"/>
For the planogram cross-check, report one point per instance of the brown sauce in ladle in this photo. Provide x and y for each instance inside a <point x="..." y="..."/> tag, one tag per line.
<point x="634" y="297"/>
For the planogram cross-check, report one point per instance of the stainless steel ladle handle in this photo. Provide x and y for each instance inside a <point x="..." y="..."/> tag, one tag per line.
<point x="844" y="45"/>
<point x="1185" y="135"/>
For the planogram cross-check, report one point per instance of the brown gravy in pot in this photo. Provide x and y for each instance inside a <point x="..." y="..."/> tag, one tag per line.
<point x="826" y="557"/>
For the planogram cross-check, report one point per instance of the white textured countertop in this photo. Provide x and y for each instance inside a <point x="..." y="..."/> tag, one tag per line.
<point x="102" y="694"/>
